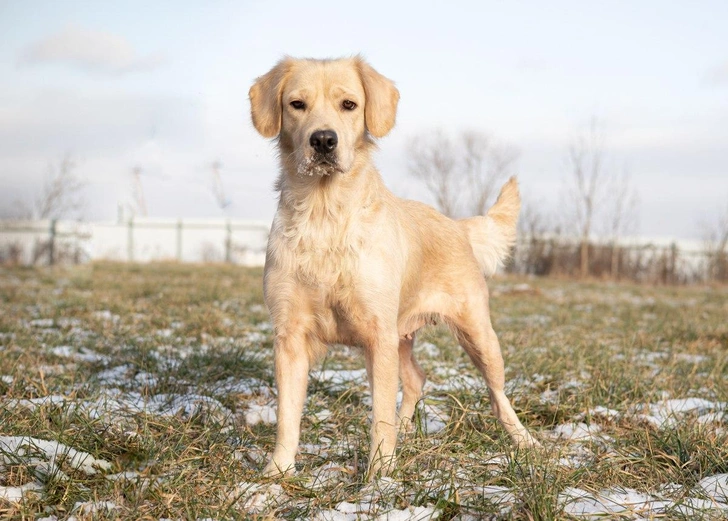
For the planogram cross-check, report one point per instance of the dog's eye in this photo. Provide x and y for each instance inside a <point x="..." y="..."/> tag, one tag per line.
<point x="347" y="104"/>
<point x="298" y="104"/>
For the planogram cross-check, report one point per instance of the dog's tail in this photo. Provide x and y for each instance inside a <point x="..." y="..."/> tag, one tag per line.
<point x="493" y="235"/>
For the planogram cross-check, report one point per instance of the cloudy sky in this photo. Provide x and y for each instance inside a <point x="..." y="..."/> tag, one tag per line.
<point x="163" y="85"/>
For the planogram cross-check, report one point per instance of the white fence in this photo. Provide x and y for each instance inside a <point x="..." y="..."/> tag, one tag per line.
<point x="136" y="240"/>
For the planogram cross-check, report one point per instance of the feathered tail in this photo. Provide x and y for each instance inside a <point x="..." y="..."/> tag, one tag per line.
<point x="493" y="235"/>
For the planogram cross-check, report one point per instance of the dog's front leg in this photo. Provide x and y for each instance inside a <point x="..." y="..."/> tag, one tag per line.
<point x="291" y="366"/>
<point x="382" y="361"/>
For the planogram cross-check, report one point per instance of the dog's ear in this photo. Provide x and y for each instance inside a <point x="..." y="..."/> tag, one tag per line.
<point x="382" y="97"/>
<point x="265" y="99"/>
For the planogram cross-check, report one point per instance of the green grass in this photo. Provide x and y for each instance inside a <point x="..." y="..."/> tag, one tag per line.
<point x="193" y="343"/>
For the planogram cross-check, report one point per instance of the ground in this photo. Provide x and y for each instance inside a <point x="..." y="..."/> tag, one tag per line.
<point x="145" y="392"/>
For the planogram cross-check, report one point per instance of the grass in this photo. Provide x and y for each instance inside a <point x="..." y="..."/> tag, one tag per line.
<point x="156" y="369"/>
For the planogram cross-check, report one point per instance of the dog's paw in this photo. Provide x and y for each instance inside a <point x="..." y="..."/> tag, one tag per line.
<point x="526" y="441"/>
<point x="380" y="467"/>
<point x="275" y="469"/>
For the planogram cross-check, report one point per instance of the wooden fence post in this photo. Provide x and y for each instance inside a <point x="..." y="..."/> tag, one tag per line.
<point x="130" y="241"/>
<point x="52" y="243"/>
<point x="179" y="240"/>
<point x="228" y="241"/>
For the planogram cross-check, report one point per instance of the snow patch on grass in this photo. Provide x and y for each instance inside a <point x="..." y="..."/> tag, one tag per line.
<point x="260" y="414"/>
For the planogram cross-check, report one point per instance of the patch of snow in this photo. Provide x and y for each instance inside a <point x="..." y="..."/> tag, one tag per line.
<point x="549" y="396"/>
<point x="144" y="378"/>
<point x="69" y="322"/>
<point x="428" y="348"/>
<point x="322" y="415"/>
<point x="245" y="386"/>
<point x="255" y="498"/>
<point x="622" y="501"/>
<point x="93" y="507"/>
<point x="340" y="377"/>
<point x="260" y="414"/>
<point x="665" y="413"/>
<point x="575" y="431"/>
<point x="81" y="354"/>
<point x="715" y="487"/>
<point x="33" y="403"/>
<point x="16" y="494"/>
<point x="7" y="379"/>
<point x="254" y="337"/>
<point x="455" y="380"/>
<point x="691" y="359"/>
<point x="45" y="453"/>
<point x="328" y="475"/>
<point x="435" y="418"/>
<point x="114" y="403"/>
<point x="356" y="511"/>
<point x="106" y="315"/>
<point x="41" y="322"/>
<point x="115" y="375"/>
<point x="599" y="410"/>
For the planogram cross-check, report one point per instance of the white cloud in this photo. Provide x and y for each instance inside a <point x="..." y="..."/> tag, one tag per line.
<point x="94" y="51"/>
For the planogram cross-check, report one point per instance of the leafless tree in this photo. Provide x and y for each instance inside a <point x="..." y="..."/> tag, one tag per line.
<point x="586" y="162"/>
<point x="218" y="191"/>
<point x="461" y="177"/>
<point x="716" y="239"/>
<point x="432" y="160"/>
<point x="622" y="204"/>
<point x="486" y="164"/>
<point x="140" y="202"/>
<point x="61" y="194"/>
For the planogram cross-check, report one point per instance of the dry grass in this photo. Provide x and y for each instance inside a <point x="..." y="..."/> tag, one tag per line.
<point x="155" y="368"/>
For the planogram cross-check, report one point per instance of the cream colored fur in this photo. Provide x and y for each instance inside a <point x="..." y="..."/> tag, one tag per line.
<point x="349" y="262"/>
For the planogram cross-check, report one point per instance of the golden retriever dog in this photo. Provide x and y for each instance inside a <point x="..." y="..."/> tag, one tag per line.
<point x="349" y="262"/>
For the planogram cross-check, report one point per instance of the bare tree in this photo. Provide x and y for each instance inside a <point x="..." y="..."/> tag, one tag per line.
<point x="622" y="206"/>
<point x="586" y="161"/>
<point x="140" y="202"/>
<point x="432" y="160"/>
<point x="218" y="191"/>
<point x="717" y="248"/>
<point x="486" y="164"/>
<point x="463" y="178"/>
<point x="61" y="193"/>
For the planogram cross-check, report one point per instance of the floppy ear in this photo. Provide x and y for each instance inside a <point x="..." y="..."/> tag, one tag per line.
<point x="382" y="97"/>
<point x="265" y="99"/>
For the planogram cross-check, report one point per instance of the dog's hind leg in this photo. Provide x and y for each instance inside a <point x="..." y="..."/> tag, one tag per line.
<point x="475" y="333"/>
<point x="413" y="380"/>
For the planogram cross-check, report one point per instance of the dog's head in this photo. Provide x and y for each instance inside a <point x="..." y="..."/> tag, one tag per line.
<point x="323" y="111"/>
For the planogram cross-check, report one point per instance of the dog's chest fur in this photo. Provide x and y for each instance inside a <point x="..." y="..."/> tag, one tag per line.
<point x="322" y="244"/>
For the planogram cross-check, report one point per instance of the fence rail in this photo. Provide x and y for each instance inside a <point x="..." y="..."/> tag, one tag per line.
<point x="142" y="240"/>
<point x="244" y="242"/>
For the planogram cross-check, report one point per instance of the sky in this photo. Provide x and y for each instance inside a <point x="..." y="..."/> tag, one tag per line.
<point x="163" y="86"/>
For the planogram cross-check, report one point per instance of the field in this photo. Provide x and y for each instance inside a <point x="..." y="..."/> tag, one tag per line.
<point x="146" y="392"/>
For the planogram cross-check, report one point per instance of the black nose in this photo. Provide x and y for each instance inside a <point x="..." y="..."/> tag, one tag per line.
<point x="324" y="141"/>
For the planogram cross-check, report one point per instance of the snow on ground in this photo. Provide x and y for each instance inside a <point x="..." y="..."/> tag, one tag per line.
<point x="16" y="494"/>
<point x="340" y="378"/>
<point x="666" y="413"/>
<point x="111" y="405"/>
<point x="354" y="512"/>
<point x="45" y="457"/>
<point x="260" y="414"/>
<point x="14" y="449"/>
<point x="630" y="502"/>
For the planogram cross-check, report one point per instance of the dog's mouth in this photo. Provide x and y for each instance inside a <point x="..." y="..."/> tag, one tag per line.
<point x="320" y="165"/>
